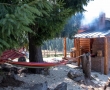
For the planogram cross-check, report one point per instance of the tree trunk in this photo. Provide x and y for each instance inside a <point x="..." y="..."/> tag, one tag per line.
<point x="35" y="54"/>
<point x="86" y="65"/>
<point x="83" y="61"/>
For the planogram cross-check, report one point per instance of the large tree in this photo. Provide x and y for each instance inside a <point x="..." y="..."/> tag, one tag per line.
<point x="37" y="20"/>
<point x="47" y="27"/>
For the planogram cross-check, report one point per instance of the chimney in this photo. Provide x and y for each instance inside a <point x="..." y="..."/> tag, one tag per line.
<point x="102" y="20"/>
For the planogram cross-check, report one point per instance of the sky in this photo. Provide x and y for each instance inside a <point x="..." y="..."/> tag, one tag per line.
<point x="94" y="8"/>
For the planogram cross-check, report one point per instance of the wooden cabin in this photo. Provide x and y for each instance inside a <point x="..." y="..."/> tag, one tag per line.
<point x="97" y="42"/>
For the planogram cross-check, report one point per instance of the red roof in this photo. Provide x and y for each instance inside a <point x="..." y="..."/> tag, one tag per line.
<point x="80" y="31"/>
<point x="12" y="54"/>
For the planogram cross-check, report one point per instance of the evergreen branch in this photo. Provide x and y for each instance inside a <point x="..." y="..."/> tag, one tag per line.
<point x="33" y="2"/>
<point x="6" y="4"/>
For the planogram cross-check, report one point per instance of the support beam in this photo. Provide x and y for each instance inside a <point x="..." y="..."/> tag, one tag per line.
<point x="74" y="43"/>
<point x="64" y="47"/>
<point x="106" y="56"/>
<point x="77" y="46"/>
<point x="78" y="49"/>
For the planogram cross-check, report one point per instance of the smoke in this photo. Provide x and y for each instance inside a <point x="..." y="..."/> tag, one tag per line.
<point x="94" y="8"/>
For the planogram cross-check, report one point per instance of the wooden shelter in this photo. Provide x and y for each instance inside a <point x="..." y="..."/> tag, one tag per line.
<point x="96" y="41"/>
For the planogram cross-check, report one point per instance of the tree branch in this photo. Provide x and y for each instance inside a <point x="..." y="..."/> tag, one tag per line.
<point x="5" y="4"/>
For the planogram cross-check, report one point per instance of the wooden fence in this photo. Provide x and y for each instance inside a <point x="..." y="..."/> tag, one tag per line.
<point x="54" y="53"/>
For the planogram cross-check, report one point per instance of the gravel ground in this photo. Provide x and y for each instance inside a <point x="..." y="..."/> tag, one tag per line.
<point x="57" y="75"/>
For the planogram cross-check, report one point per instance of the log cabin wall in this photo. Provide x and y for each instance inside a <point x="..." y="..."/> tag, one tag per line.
<point x="92" y="46"/>
<point x="81" y="45"/>
<point x="77" y="53"/>
<point x="98" y="44"/>
<point x="84" y="45"/>
<point x="97" y="63"/>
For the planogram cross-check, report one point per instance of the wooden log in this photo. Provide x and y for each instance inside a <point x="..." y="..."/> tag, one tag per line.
<point x="86" y="65"/>
<point x="83" y="60"/>
<point x="75" y="47"/>
<point x="64" y="47"/>
<point x="78" y="50"/>
<point x="106" y="57"/>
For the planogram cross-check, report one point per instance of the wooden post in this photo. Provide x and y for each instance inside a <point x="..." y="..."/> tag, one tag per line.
<point x="78" y="50"/>
<point x="106" y="56"/>
<point x="83" y="60"/>
<point x="64" y="47"/>
<point x="76" y="44"/>
<point x="75" y="47"/>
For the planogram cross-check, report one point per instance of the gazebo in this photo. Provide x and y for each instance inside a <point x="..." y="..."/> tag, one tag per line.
<point x="96" y="41"/>
<point x="98" y="44"/>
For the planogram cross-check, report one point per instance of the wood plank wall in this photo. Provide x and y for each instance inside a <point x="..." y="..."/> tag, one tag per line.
<point x="84" y="43"/>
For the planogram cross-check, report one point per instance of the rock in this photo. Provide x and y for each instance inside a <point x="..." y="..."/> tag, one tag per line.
<point x="23" y="71"/>
<point x="14" y="69"/>
<point x="22" y="59"/>
<point x="73" y="74"/>
<point x="79" y="79"/>
<point x="50" y="89"/>
<point x="1" y="78"/>
<point x="11" y="74"/>
<point x="41" y="86"/>
<point x="62" y="86"/>
<point x="45" y="71"/>
<point x="8" y="68"/>
<point x="107" y="85"/>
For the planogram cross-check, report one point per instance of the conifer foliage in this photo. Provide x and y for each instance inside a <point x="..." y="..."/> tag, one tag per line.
<point x="34" y="21"/>
<point x="15" y="18"/>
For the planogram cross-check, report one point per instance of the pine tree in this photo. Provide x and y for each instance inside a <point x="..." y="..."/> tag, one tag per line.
<point x="34" y="21"/>
<point x="51" y="25"/>
<point x="15" y="18"/>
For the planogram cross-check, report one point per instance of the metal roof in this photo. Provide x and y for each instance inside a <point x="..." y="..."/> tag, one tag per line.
<point x="93" y="34"/>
